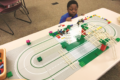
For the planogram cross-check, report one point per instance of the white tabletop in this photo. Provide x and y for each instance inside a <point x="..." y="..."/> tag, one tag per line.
<point x="92" y="70"/>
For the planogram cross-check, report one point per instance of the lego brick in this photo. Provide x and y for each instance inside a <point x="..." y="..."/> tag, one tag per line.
<point x="9" y="74"/>
<point x="58" y="36"/>
<point x="73" y="45"/>
<point x="0" y="63"/>
<point x="82" y="64"/>
<point x="62" y="25"/>
<point x="1" y="66"/>
<point x="54" y="34"/>
<point x="91" y="56"/>
<point x="85" y="18"/>
<point x="79" y="38"/>
<point x="2" y="70"/>
<point x="83" y="32"/>
<point x="103" y="47"/>
<point x="64" y="44"/>
<point x="39" y="59"/>
<point x="50" y="32"/>
<point x="29" y="43"/>
<point x="90" y="16"/>
<point x="67" y="30"/>
<point x="85" y="28"/>
<point x="84" y="25"/>
<point x="117" y="39"/>
<point x="68" y="26"/>
<point x="109" y="22"/>
<point x="100" y="40"/>
<point x="71" y="25"/>
<point x="82" y="36"/>
<point x="104" y="42"/>
<point x="0" y="60"/>
<point x="107" y="39"/>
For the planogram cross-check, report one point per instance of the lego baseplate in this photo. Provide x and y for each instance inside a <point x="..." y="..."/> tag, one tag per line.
<point x="57" y="63"/>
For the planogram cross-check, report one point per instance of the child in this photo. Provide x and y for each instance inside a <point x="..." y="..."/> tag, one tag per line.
<point x="72" y="8"/>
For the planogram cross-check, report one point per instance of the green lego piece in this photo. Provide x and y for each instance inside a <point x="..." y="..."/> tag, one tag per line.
<point x="51" y="34"/>
<point x="29" y="43"/>
<point x="104" y="42"/>
<point x="39" y="59"/>
<point x="84" y="25"/>
<point x="82" y="36"/>
<point x="81" y="63"/>
<point x="64" y="46"/>
<point x="107" y="39"/>
<point x="92" y="55"/>
<point x="85" y="28"/>
<point x="72" y="45"/>
<point x="90" y="16"/>
<point x="9" y="74"/>
<point x="100" y="40"/>
<point x="79" y="38"/>
<point x="65" y="29"/>
<point x="0" y="60"/>
<point x="68" y="26"/>
<point x="117" y="39"/>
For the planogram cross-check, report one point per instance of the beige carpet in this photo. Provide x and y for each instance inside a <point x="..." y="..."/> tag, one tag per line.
<point x="44" y="15"/>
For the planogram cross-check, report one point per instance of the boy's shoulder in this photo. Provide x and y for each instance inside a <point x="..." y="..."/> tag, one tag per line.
<point x="65" y="15"/>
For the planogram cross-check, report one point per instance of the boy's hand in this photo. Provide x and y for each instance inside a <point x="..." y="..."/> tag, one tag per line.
<point x="68" y="19"/>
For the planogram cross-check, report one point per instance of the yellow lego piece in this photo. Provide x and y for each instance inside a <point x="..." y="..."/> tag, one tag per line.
<point x="89" y="32"/>
<point x="57" y="34"/>
<point x="62" y="37"/>
<point x="99" y="28"/>
<point x="88" y="18"/>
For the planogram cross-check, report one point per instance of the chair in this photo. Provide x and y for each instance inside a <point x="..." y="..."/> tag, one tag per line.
<point x="4" y="10"/>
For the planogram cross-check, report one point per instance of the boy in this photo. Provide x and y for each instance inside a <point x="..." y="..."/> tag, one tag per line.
<point x="72" y="8"/>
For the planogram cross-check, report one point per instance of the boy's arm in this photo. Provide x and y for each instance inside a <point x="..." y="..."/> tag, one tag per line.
<point x="63" y="19"/>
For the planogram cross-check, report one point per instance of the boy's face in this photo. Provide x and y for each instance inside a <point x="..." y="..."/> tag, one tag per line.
<point x="72" y="10"/>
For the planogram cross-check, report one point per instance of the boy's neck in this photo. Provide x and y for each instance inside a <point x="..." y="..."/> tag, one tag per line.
<point x="70" y="15"/>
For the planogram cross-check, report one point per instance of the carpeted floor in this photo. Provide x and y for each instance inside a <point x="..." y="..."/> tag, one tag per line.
<point x="44" y="15"/>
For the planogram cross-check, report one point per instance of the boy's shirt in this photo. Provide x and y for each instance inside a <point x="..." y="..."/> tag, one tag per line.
<point x="65" y="16"/>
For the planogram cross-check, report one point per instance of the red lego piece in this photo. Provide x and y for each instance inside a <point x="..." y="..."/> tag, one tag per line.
<point x="103" y="47"/>
<point x="109" y="22"/>
<point x="83" y="32"/>
<point x="0" y="63"/>
<point x="58" y="36"/>
<point x="67" y="30"/>
<point x="2" y="70"/>
<point x="85" y="18"/>
<point x="62" y="25"/>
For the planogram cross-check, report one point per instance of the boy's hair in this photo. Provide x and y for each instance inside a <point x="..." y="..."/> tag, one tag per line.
<point x="72" y="2"/>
